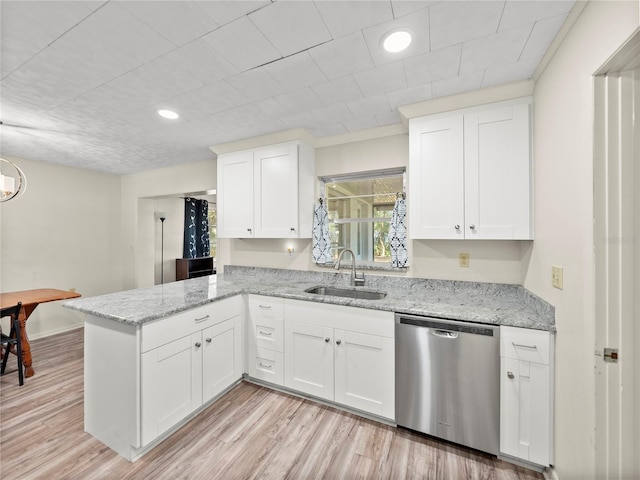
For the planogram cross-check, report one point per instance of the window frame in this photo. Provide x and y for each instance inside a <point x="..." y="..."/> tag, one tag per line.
<point x="323" y="181"/>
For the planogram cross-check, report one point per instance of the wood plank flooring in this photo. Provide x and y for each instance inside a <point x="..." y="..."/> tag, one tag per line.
<point x="250" y="433"/>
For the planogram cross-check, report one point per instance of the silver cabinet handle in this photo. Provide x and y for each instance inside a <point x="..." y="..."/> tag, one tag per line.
<point x="472" y="227"/>
<point x="327" y="339"/>
<point x="265" y="307"/>
<point x="198" y="344"/>
<point x="457" y="227"/>
<point x="208" y="340"/>
<point x="264" y="366"/>
<point x="511" y="375"/>
<point x="338" y="342"/>
<point x="201" y="319"/>
<point x="267" y="334"/>
<point x="520" y="345"/>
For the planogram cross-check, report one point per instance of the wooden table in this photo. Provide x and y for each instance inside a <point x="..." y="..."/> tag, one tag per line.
<point x="30" y="300"/>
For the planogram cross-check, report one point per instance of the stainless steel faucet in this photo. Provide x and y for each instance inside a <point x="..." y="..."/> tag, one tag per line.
<point x="356" y="280"/>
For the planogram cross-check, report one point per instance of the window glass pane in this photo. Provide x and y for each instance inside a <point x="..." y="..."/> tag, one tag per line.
<point x="213" y="220"/>
<point x="360" y="214"/>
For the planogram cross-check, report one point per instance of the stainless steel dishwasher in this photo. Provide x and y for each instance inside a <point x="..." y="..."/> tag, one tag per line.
<point x="447" y="380"/>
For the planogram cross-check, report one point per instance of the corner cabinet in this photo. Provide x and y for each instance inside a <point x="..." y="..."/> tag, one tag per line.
<point x="266" y="192"/>
<point x="526" y="394"/>
<point x="142" y="381"/>
<point x="470" y="173"/>
<point x="341" y="354"/>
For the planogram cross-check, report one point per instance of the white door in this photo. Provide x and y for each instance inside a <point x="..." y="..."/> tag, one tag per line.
<point x="235" y="195"/>
<point x="308" y="359"/>
<point x="497" y="172"/>
<point x="436" y="177"/>
<point x="364" y="376"/>
<point x="276" y="191"/>
<point x="617" y="243"/>
<point x="221" y="357"/>
<point x="171" y="379"/>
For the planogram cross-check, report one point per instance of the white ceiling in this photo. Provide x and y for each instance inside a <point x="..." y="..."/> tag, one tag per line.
<point x="82" y="81"/>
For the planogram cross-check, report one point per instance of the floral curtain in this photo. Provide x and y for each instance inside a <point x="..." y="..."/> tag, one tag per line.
<point x="398" y="234"/>
<point x="196" y="228"/>
<point x="321" y="252"/>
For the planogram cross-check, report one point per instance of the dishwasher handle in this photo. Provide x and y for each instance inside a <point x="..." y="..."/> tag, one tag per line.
<point x="444" y="334"/>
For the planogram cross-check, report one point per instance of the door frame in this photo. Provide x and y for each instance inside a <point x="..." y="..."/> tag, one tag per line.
<point x="617" y="262"/>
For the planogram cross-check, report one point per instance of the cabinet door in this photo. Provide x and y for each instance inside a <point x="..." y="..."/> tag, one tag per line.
<point x="364" y="376"/>
<point x="235" y="195"/>
<point x="436" y="177"/>
<point x="275" y="180"/>
<point x="497" y="173"/>
<point x="221" y="357"/>
<point x="171" y="380"/>
<point x="308" y="359"/>
<point x="525" y="410"/>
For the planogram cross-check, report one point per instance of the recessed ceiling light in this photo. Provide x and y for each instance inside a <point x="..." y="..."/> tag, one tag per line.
<point x="396" y="41"/>
<point x="168" y="114"/>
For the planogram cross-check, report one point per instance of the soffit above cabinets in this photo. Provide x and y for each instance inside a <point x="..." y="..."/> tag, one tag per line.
<point x="81" y="82"/>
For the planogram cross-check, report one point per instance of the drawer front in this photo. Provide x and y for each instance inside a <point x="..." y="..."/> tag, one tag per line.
<point x="266" y="333"/>
<point x="355" y="319"/>
<point x="266" y="365"/>
<point x="164" y="330"/>
<point x="269" y="307"/>
<point x="525" y="344"/>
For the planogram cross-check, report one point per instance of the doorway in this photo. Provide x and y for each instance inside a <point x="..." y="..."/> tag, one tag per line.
<point x="617" y="263"/>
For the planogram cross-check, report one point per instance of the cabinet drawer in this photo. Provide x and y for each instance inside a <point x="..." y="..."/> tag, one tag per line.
<point x="266" y="333"/>
<point x="363" y="320"/>
<point x="266" y="365"/>
<point x="525" y="344"/>
<point x="269" y="307"/>
<point x="164" y="330"/>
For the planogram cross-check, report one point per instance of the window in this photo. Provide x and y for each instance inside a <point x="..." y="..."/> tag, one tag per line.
<point x="213" y="232"/>
<point x="360" y="208"/>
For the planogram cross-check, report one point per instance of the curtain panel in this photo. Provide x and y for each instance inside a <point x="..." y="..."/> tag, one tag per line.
<point x="196" y="228"/>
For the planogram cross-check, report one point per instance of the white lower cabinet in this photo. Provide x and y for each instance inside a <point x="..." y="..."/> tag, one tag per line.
<point x="341" y="354"/>
<point x="526" y="395"/>
<point x="265" y="357"/>
<point x="141" y="381"/>
<point x="181" y="376"/>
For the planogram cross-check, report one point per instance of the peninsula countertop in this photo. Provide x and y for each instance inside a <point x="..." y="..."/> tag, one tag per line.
<point x="489" y="303"/>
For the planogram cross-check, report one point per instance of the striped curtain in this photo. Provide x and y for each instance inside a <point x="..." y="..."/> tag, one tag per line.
<point x="398" y="234"/>
<point x="196" y="228"/>
<point x="321" y="252"/>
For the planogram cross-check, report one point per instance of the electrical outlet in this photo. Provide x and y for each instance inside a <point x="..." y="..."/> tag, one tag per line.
<point x="463" y="258"/>
<point x="556" y="277"/>
<point x="290" y="252"/>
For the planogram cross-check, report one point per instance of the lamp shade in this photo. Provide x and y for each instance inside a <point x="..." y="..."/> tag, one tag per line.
<point x="12" y="181"/>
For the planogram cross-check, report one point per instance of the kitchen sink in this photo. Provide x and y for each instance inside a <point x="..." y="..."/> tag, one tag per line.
<point x="347" y="292"/>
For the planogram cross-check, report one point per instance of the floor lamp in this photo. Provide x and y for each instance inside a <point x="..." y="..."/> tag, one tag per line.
<point x="162" y="217"/>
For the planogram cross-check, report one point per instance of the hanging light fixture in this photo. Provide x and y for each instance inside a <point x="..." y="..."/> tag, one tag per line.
<point x="13" y="184"/>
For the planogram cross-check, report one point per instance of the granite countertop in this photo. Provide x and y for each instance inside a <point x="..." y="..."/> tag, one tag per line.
<point x="490" y="303"/>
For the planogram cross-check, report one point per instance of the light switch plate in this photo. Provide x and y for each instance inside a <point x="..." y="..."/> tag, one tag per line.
<point x="463" y="259"/>
<point x="556" y="277"/>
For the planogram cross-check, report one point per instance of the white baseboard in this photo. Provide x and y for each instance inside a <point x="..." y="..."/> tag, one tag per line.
<point x="49" y="333"/>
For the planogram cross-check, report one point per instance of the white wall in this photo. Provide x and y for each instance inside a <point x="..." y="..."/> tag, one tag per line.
<point x="563" y="136"/>
<point x="63" y="233"/>
<point x="140" y="230"/>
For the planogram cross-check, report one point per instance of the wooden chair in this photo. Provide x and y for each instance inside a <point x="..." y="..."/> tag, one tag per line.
<point x="7" y="341"/>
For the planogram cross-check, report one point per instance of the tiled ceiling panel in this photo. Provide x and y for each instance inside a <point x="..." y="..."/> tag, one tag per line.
<point x="82" y="81"/>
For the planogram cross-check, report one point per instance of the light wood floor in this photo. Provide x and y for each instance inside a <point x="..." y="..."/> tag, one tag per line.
<point x="252" y="432"/>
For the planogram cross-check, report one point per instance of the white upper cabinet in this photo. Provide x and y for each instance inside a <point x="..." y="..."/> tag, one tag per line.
<point x="470" y="173"/>
<point x="235" y="195"/>
<point x="266" y="192"/>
